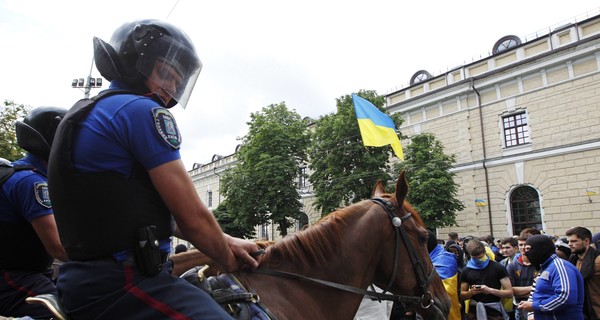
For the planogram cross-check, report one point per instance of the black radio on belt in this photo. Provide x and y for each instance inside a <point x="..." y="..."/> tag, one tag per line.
<point x="147" y="251"/>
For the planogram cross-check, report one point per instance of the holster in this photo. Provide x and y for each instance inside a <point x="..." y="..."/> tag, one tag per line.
<point x="146" y="251"/>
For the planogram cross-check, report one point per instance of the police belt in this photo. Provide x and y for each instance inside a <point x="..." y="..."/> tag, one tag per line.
<point x="130" y="260"/>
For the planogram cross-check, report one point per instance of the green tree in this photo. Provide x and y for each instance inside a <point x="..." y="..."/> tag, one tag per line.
<point x="433" y="191"/>
<point x="262" y="187"/>
<point x="344" y="171"/>
<point x="229" y="225"/>
<point x="9" y="114"/>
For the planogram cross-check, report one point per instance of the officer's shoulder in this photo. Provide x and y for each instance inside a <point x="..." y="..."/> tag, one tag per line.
<point x="24" y="177"/>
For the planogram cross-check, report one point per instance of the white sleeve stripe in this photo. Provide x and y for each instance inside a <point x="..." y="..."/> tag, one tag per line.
<point x="565" y="286"/>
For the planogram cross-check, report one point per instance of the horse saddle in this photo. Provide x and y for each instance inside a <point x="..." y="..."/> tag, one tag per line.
<point x="51" y="302"/>
<point x="230" y="294"/>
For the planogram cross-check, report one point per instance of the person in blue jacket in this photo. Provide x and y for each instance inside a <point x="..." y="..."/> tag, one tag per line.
<point x="120" y="190"/>
<point x="29" y="238"/>
<point x="559" y="289"/>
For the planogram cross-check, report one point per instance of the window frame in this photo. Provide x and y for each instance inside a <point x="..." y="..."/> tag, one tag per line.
<point x="530" y="207"/>
<point x="515" y="130"/>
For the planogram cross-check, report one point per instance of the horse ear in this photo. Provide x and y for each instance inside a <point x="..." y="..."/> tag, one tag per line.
<point x="378" y="190"/>
<point x="401" y="187"/>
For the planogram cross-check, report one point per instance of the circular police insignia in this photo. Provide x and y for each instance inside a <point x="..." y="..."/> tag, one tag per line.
<point x="166" y="127"/>
<point x="41" y="194"/>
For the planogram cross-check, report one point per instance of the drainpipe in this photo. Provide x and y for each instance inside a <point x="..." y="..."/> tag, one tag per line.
<point x="219" y="187"/>
<point x="485" y="170"/>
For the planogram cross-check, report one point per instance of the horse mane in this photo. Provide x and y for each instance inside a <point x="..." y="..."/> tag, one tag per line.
<point x="315" y="245"/>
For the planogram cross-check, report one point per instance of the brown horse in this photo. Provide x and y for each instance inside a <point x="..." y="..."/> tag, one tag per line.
<point x="380" y="241"/>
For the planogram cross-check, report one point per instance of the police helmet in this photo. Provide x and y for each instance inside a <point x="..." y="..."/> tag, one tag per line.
<point x="36" y="132"/>
<point x="136" y="47"/>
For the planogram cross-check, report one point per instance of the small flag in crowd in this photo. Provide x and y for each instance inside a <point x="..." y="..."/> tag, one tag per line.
<point x="376" y="128"/>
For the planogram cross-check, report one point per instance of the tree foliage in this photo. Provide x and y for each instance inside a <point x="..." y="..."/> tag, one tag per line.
<point x="433" y="191"/>
<point x="262" y="187"/>
<point x="228" y="224"/>
<point x="343" y="170"/>
<point x="9" y="114"/>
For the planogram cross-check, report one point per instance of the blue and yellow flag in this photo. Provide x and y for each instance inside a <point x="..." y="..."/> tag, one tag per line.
<point x="376" y="128"/>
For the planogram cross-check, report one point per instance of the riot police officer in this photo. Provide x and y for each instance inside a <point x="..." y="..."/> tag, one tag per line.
<point x="28" y="235"/>
<point x="117" y="184"/>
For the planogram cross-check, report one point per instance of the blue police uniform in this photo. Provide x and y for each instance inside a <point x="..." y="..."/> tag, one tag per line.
<point x="24" y="262"/>
<point x="121" y="134"/>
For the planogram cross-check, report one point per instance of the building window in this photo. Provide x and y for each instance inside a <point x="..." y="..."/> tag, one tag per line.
<point x="263" y="231"/>
<point x="302" y="176"/>
<point x="506" y="43"/>
<point x="209" y="199"/>
<point x="301" y="222"/>
<point x="525" y="209"/>
<point x="420" y="76"/>
<point x="516" y="130"/>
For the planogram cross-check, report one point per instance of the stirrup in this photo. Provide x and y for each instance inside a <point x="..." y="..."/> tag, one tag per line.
<point x="51" y="302"/>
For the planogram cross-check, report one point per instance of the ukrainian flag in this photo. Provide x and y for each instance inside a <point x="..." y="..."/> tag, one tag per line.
<point x="376" y="128"/>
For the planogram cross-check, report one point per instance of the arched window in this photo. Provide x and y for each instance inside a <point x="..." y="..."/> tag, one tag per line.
<point x="420" y="76"/>
<point x="506" y="43"/>
<point x="525" y="209"/>
<point x="301" y="222"/>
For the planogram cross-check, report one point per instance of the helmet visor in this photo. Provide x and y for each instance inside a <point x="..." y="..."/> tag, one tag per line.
<point x="171" y="67"/>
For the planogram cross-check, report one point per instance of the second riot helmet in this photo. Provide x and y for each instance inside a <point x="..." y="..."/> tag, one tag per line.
<point x="36" y="132"/>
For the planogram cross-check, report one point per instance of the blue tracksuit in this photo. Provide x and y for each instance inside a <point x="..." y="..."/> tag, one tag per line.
<point x="559" y="291"/>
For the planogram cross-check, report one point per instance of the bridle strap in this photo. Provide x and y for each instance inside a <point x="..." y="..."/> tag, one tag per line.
<point x="400" y="232"/>
<point x="374" y="294"/>
<point x="387" y="206"/>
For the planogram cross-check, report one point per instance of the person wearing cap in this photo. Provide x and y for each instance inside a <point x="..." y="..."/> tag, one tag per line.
<point x="120" y="189"/>
<point x="587" y="260"/>
<point x="596" y="240"/>
<point x="559" y="291"/>
<point x="180" y="248"/>
<point x="562" y="248"/>
<point x="29" y="240"/>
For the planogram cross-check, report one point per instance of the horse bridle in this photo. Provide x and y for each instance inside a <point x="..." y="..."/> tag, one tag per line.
<point x="426" y="298"/>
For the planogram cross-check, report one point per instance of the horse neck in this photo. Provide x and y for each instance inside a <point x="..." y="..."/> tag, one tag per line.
<point x="352" y="262"/>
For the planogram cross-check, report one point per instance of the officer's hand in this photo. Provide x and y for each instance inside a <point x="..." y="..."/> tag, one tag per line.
<point x="243" y="250"/>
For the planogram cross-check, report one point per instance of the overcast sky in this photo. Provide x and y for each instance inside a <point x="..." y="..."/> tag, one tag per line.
<point x="256" y="53"/>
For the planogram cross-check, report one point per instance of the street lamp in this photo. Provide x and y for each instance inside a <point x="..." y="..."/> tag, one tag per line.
<point x="91" y="83"/>
<point x="87" y="87"/>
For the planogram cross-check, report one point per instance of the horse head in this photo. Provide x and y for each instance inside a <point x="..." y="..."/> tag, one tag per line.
<point x="405" y="268"/>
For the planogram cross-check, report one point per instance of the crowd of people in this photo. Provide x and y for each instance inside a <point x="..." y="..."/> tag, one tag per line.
<point x="533" y="275"/>
<point x="529" y="276"/>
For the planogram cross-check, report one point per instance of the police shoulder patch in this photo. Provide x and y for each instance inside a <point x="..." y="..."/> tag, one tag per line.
<point x="41" y="194"/>
<point x="166" y="127"/>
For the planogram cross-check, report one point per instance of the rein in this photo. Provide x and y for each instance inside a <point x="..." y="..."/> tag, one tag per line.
<point x="374" y="294"/>
<point x="425" y="300"/>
